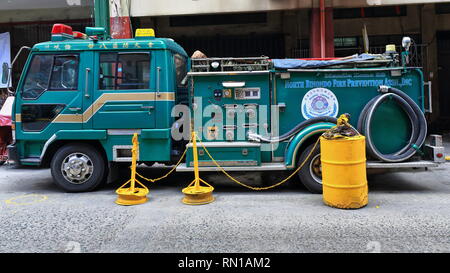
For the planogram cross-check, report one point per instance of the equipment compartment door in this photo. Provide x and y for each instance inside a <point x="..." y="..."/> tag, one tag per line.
<point x="124" y="93"/>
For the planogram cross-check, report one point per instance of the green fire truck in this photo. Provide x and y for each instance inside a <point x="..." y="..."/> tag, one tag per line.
<point x="82" y="96"/>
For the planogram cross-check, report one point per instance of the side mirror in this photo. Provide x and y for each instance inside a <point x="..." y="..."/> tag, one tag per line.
<point x="406" y="44"/>
<point x="6" y="70"/>
<point x="5" y="73"/>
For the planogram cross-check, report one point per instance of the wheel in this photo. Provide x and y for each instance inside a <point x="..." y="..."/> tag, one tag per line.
<point x="2" y="162"/>
<point x="78" y="168"/>
<point x="311" y="173"/>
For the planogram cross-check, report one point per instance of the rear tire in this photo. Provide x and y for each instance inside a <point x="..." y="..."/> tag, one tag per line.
<point x="78" y="167"/>
<point x="2" y="162"/>
<point x="311" y="172"/>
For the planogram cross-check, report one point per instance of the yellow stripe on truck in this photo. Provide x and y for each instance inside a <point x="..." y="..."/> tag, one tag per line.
<point x="108" y="97"/>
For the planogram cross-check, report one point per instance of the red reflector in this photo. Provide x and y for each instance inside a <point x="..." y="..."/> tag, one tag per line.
<point x="79" y="35"/>
<point x="439" y="155"/>
<point x="62" y="29"/>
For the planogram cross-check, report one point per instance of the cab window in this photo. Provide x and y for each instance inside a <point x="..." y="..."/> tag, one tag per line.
<point x="64" y="73"/>
<point x="120" y="71"/>
<point x="50" y="72"/>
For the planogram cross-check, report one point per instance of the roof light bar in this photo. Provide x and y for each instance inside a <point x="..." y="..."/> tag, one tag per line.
<point x="79" y="35"/>
<point x="62" y="29"/>
<point x="61" y="32"/>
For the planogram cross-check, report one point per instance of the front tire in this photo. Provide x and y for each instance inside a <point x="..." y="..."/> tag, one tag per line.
<point x="78" y="167"/>
<point x="311" y="172"/>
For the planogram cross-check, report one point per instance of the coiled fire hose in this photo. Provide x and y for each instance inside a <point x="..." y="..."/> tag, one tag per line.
<point x="414" y="113"/>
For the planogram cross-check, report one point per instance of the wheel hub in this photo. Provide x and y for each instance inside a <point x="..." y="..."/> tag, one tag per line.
<point x="77" y="168"/>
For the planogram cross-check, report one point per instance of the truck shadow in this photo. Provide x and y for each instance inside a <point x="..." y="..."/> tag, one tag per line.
<point x="397" y="182"/>
<point x="391" y="182"/>
<point x="217" y="179"/>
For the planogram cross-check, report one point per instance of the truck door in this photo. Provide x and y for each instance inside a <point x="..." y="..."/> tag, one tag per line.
<point x="124" y="95"/>
<point x="50" y="96"/>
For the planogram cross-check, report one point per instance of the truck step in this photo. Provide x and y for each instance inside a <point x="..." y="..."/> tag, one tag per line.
<point x="408" y="164"/>
<point x="282" y="167"/>
<point x="263" y="167"/>
<point x="31" y="160"/>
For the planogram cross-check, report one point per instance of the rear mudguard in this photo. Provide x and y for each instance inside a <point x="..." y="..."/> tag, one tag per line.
<point x="296" y="143"/>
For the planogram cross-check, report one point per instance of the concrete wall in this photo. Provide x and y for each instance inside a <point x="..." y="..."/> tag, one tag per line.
<point x="41" y="4"/>
<point x="36" y="15"/>
<point x="44" y="10"/>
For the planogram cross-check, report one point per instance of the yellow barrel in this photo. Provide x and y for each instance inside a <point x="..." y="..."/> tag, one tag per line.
<point x="344" y="172"/>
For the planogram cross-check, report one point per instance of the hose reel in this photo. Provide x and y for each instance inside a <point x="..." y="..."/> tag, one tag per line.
<point x="415" y="115"/>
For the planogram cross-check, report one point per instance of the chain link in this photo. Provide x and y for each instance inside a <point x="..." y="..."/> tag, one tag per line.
<point x="259" y="188"/>
<point x="152" y="180"/>
<point x="169" y="172"/>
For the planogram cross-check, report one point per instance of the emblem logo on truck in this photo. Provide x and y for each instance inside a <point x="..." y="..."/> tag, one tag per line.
<point x="319" y="102"/>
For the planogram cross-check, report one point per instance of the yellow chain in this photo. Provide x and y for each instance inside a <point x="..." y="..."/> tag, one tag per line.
<point x="169" y="172"/>
<point x="226" y="173"/>
<point x="259" y="188"/>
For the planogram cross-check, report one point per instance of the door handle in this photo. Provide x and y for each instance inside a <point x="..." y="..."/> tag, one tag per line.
<point x="158" y="80"/>
<point x="86" y="82"/>
<point x="75" y="109"/>
<point x="148" y="107"/>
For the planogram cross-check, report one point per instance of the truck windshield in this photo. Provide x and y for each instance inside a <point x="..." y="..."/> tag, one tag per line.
<point x="50" y="72"/>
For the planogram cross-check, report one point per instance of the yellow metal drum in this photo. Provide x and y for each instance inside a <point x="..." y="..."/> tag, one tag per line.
<point x="344" y="172"/>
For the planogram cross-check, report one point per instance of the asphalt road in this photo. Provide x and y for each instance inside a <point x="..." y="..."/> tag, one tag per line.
<point x="407" y="212"/>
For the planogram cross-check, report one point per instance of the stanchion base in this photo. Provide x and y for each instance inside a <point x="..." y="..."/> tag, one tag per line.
<point x="126" y="197"/>
<point x="198" y="196"/>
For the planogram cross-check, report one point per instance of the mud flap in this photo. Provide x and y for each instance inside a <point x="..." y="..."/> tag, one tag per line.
<point x="113" y="172"/>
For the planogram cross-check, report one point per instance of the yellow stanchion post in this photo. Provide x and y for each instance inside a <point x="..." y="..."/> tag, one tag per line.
<point x="195" y="194"/>
<point x="132" y="195"/>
